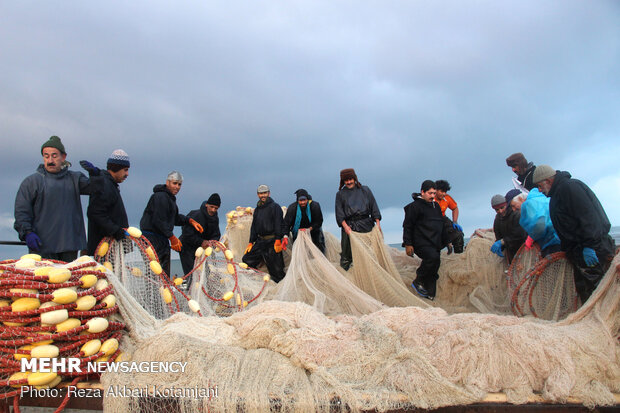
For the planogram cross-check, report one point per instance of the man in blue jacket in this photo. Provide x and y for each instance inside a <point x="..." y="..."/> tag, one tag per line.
<point x="581" y="224"/>
<point x="48" y="210"/>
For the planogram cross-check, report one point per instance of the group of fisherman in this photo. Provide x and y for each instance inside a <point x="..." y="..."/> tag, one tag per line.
<point x="48" y="217"/>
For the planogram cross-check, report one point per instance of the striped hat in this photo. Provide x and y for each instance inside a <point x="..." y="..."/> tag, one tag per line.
<point x="119" y="157"/>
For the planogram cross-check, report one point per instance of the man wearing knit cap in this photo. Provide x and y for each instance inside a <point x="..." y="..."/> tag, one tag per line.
<point x="191" y="239"/>
<point x="266" y="243"/>
<point x="48" y="210"/>
<point x="356" y="210"/>
<point x="305" y="214"/>
<point x="106" y="211"/>
<point x="523" y="169"/>
<point x="509" y="234"/>
<point x="160" y="217"/>
<point x="581" y="224"/>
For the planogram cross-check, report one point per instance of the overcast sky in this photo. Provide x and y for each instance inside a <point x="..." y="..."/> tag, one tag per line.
<point x="287" y="93"/>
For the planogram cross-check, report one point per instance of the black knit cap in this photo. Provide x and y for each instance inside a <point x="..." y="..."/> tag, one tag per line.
<point x="54" y="142"/>
<point x="214" y="199"/>
<point x="511" y="194"/>
<point x="302" y="193"/>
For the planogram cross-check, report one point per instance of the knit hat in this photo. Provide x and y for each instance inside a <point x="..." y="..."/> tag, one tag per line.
<point x="498" y="201"/>
<point x="347" y="174"/>
<point x="302" y="194"/>
<point x="542" y="172"/>
<point x="119" y="157"/>
<point x="262" y="188"/>
<point x="511" y="194"/>
<point x="516" y="159"/>
<point x="54" y="142"/>
<point x="214" y="199"/>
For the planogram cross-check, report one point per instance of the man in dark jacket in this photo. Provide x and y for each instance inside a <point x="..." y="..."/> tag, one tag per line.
<point x="509" y="234"/>
<point x="191" y="239"/>
<point x="523" y="169"/>
<point x="356" y="210"/>
<point x="305" y="214"/>
<point x="160" y="217"/>
<point x="423" y="229"/>
<point x="48" y="210"/>
<point x="106" y="211"/>
<point x="266" y="242"/>
<point x="581" y="224"/>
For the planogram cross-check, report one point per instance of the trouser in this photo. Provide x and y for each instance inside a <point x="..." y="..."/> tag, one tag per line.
<point x="262" y="250"/>
<point x="427" y="271"/>
<point x="346" y="257"/>
<point x="66" y="256"/>
<point x="187" y="261"/>
<point x="452" y="236"/>
<point x="318" y="239"/>
<point x="587" y="278"/>
<point x="162" y="248"/>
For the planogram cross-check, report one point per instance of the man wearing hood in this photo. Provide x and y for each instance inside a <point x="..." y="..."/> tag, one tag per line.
<point x="305" y="214"/>
<point x="48" y="210"/>
<point x="356" y="210"/>
<point x="160" y="217"/>
<point x="581" y="224"/>
<point x="423" y="230"/>
<point x="266" y="242"/>
<point x="106" y="211"/>
<point x="523" y="169"/>
<point x="191" y="239"/>
<point x="509" y="234"/>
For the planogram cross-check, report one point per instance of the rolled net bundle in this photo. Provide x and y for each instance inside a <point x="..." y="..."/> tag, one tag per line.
<point x="56" y="310"/>
<point x="374" y="272"/>
<point x="237" y="234"/>
<point x="313" y="280"/>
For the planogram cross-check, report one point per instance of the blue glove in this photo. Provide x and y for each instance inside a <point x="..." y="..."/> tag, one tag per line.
<point x="496" y="248"/>
<point x="589" y="256"/>
<point x="33" y="241"/>
<point x="90" y="168"/>
<point x="457" y="227"/>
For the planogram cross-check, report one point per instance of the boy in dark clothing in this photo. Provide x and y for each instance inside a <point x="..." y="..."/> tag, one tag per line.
<point x="423" y="229"/>
<point x="266" y="242"/>
<point x="305" y="214"/>
<point x="106" y="211"/>
<point x="509" y="234"/>
<point x="191" y="239"/>
<point x="160" y="217"/>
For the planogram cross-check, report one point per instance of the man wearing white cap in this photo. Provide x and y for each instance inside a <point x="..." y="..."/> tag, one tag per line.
<point x="266" y="235"/>
<point x="106" y="211"/>
<point x="581" y="224"/>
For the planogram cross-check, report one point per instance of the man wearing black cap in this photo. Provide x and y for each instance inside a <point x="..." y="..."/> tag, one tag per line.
<point x="523" y="169"/>
<point x="305" y="214"/>
<point x="191" y="239"/>
<point x="356" y="210"/>
<point x="106" y="211"/>
<point x="581" y="224"/>
<point x="266" y="241"/>
<point x="48" y="210"/>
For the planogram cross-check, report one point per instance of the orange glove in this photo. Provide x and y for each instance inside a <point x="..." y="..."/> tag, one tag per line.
<point x="248" y="248"/>
<point x="175" y="244"/>
<point x="284" y="243"/>
<point x="196" y="225"/>
<point x="277" y="246"/>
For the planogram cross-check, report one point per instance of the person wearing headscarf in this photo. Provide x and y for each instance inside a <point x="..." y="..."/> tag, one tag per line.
<point x="356" y="210"/>
<point x="305" y="214"/>
<point x="191" y="239"/>
<point x="48" y="210"/>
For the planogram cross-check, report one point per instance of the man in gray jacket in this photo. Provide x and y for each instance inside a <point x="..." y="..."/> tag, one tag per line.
<point x="48" y="211"/>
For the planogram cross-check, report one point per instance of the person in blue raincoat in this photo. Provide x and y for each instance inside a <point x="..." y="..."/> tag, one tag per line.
<point x="536" y="221"/>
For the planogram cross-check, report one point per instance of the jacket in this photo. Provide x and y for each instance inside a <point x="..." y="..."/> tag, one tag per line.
<point x="578" y="216"/>
<point x="161" y="213"/>
<point x="49" y="205"/>
<point x="507" y="227"/>
<point x="424" y="223"/>
<point x="267" y="220"/>
<point x="192" y="239"/>
<point x="526" y="178"/>
<point x="315" y="220"/>
<point x="536" y="220"/>
<point x="106" y="212"/>
<point x="358" y="208"/>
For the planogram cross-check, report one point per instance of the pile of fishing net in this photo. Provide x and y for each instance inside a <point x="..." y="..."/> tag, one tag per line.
<point x="55" y="310"/>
